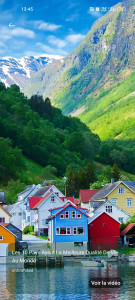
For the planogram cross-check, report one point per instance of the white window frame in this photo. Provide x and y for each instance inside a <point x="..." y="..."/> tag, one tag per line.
<point x="73" y="211"/>
<point x="121" y="190"/>
<point x="76" y="228"/>
<point x="108" y="209"/>
<point x="129" y="202"/>
<point x="78" y="216"/>
<point x="120" y="219"/>
<point x="61" y="215"/>
<point x="1" y="237"/>
<point x="66" y="211"/>
<point x="52" y="198"/>
<point x="114" y="201"/>
<point x="59" y="228"/>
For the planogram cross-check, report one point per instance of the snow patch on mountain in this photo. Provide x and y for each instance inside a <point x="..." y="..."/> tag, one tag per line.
<point x="19" y="71"/>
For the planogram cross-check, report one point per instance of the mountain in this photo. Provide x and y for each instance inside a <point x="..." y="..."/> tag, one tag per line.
<point x="18" y="71"/>
<point x="96" y="81"/>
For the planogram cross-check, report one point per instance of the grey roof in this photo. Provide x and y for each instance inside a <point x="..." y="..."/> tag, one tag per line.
<point x="105" y="190"/>
<point x="9" y="207"/>
<point x="41" y="192"/>
<point x="2" y="197"/>
<point x="96" y="204"/>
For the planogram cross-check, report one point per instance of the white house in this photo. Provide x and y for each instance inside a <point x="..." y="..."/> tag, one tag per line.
<point x="18" y="209"/>
<point x="42" y="213"/>
<point x="113" y="210"/>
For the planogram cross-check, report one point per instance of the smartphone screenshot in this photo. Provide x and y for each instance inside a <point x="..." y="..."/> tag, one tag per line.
<point x="67" y="149"/>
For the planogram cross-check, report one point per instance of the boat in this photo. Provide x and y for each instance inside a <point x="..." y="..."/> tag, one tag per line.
<point x="94" y="263"/>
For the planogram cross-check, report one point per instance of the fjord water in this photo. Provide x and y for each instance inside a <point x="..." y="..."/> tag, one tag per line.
<point x="69" y="282"/>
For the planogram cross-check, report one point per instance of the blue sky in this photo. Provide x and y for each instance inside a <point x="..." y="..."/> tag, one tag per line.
<point x="51" y="27"/>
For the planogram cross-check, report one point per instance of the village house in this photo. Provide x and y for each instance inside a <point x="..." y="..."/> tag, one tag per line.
<point x="40" y="207"/>
<point x="7" y="237"/>
<point x="16" y="231"/>
<point x="128" y="235"/>
<point x="18" y="209"/>
<point x="120" y="194"/>
<point x="106" y="206"/>
<point x="68" y="228"/>
<point x="85" y="196"/>
<point x="104" y="232"/>
<point x="4" y="215"/>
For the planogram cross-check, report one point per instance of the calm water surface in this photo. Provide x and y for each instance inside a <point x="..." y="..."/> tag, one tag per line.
<point x="70" y="282"/>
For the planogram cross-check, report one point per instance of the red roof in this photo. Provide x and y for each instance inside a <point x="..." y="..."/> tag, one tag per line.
<point x="5" y="224"/>
<point x="33" y="201"/>
<point x="68" y="198"/>
<point x="41" y="200"/>
<point x="86" y="195"/>
<point x="127" y="229"/>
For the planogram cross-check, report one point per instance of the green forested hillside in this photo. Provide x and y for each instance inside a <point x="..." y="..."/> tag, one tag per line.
<point x="112" y="114"/>
<point x="42" y="134"/>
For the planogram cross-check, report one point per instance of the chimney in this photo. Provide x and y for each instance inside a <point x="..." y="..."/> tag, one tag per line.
<point x="112" y="180"/>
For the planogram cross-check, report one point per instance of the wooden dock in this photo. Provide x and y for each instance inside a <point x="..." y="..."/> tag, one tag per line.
<point x="45" y="261"/>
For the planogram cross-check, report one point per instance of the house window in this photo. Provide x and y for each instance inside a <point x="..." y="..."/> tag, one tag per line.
<point x="120" y="220"/>
<point x="79" y="216"/>
<point x="61" y="216"/>
<point x="68" y="230"/>
<point x="129" y="202"/>
<point x="66" y="214"/>
<point x="14" y="214"/>
<point x="57" y="194"/>
<point x="73" y="214"/>
<point x="20" y="214"/>
<point x="108" y="209"/>
<point x="63" y="230"/>
<point x="74" y="230"/>
<point x="2" y="220"/>
<point x="1" y="237"/>
<point x="57" y="231"/>
<point x="78" y="230"/>
<point x="121" y="190"/>
<point x="114" y="201"/>
<point x="52" y="199"/>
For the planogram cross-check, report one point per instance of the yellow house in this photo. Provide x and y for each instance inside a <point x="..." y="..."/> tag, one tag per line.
<point x="6" y="236"/>
<point x="120" y="194"/>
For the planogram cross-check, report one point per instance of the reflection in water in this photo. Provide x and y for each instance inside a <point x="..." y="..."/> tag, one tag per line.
<point x="70" y="282"/>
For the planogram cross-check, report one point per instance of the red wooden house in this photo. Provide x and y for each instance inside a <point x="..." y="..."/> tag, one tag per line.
<point x="104" y="232"/>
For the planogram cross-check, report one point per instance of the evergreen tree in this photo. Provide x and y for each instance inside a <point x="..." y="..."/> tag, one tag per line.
<point x="115" y="172"/>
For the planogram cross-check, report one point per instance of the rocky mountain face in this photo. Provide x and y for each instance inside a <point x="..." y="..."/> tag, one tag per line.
<point x="105" y="58"/>
<point x="19" y="71"/>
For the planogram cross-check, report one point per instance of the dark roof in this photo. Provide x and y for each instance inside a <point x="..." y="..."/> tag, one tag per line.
<point x="86" y="195"/>
<point x="11" y="225"/>
<point x="105" y="190"/>
<point x="129" y="183"/>
<point x="127" y="229"/>
<point x="96" y="204"/>
<point x="2" y="198"/>
<point x="41" y="192"/>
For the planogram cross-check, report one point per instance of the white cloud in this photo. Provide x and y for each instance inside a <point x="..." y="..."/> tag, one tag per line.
<point x="56" y="42"/>
<point x="23" y="32"/>
<point x="75" y="38"/>
<point x="50" y="50"/>
<point x="72" y="17"/>
<point x="7" y="33"/>
<point x="46" y="26"/>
